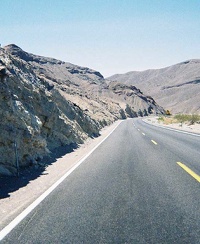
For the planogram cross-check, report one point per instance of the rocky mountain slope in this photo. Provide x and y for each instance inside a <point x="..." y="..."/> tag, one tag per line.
<point x="47" y="104"/>
<point x="176" y="88"/>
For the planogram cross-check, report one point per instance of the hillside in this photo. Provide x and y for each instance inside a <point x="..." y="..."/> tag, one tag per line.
<point x="176" y="88"/>
<point x="47" y="104"/>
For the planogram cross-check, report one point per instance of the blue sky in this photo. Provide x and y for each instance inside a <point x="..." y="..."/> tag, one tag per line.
<point x="111" y="36"/>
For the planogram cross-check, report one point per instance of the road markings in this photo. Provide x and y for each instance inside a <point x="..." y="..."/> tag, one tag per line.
<point x="143" y="134"/>
<point x="189" y="171"/>
<point x="154" y="142"/>
<point x="6" y="230"/>
<point x="138" y="129"/>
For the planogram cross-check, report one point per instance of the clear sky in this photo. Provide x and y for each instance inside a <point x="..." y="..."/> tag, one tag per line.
<point x="111" y="36"/>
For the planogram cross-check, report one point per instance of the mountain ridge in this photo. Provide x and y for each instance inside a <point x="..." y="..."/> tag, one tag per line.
<point x="47" y="104"/>
<point x="175" y="87"/>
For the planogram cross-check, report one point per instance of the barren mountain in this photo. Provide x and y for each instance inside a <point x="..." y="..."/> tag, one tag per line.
<point x="47" y="104"/>
<point x="176" y="88"/>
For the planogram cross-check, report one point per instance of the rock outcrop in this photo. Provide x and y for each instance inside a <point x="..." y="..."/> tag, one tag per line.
<point x="47" y="103"/>
<point x="175" y="88"/>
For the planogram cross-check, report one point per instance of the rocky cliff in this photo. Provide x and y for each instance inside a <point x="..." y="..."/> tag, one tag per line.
<point x="47" y="104"/>
<point x="175" y="87"/>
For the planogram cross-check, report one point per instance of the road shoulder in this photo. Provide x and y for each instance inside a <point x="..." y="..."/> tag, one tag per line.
<point x="177" y="126"/>
<point x="20" y="199"/>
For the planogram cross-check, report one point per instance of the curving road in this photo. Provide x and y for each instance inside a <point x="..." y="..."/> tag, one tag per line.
<point x="141" y="185"/>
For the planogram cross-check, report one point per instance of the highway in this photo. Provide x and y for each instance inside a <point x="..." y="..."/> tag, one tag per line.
<point x="141" y="185"/>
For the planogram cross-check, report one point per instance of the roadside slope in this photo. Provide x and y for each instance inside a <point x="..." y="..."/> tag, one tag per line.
<point x="47" y="104"/>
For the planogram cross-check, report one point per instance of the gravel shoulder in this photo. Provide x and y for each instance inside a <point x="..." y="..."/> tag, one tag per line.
<point x="26" y="190"/>
<point x="184" y="127"/>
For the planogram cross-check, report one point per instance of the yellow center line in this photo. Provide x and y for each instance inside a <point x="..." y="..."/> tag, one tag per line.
<point x="154" y="142"/>
<point x="143" y="134"/>
<point x="189" y="171"/>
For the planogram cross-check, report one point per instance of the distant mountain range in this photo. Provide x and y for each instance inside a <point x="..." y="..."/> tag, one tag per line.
<point x="176" y="88"/>
<point x="47" y="104"/>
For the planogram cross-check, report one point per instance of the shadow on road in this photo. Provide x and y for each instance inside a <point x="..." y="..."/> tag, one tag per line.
<point x="10" y="184"/>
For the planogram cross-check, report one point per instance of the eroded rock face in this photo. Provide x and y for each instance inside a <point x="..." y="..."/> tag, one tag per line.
<point x="47" y="103"/>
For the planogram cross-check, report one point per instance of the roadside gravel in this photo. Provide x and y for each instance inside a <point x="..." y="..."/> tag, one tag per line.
<point x="185" y="127"/>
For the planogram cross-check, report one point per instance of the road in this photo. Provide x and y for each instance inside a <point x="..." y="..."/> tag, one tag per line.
<point x="131" y="189"/>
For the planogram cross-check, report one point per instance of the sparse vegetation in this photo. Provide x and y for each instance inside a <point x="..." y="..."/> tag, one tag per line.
<point x="161" y="118"/>
<point x="190" y="118"/>
<point x="180" y="118"/>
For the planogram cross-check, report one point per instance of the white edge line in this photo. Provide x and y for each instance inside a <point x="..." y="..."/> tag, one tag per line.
<point x="167" y="128"/>
<point x="6" y="230"/>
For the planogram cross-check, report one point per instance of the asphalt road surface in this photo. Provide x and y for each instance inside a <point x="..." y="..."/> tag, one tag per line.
<point x="141" y="185"/>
